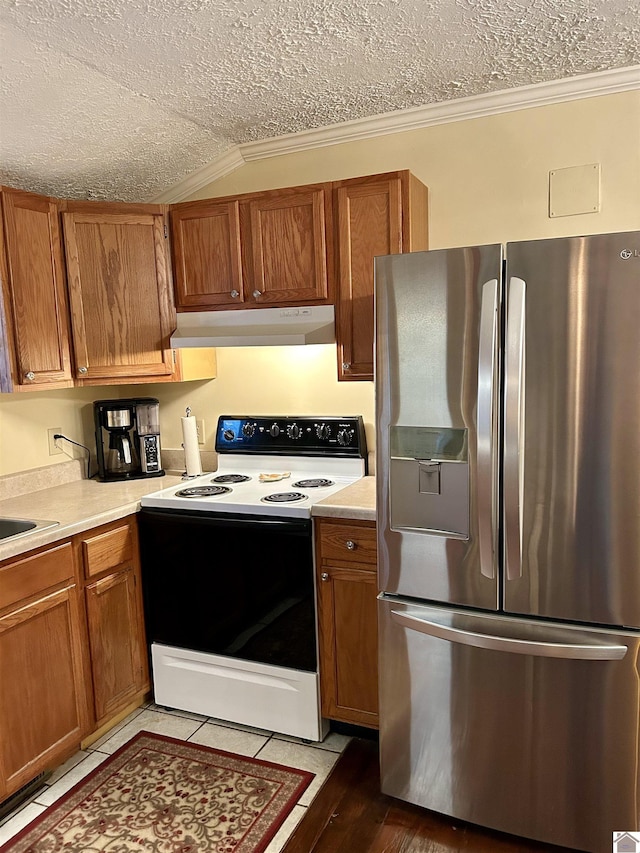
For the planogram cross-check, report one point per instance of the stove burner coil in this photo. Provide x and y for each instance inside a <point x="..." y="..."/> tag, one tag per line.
<point x="203" y="492"/>
<point x="318" y="483"/>
<point x="231" y="478"/>
<point x="284" y="497"/>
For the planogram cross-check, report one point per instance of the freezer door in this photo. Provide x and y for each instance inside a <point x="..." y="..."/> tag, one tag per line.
<point x="526" y="727"/>
<point x="437" y="378"/>
<point x="572" y="429"/>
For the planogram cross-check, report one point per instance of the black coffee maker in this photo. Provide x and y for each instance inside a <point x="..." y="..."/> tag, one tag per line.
<point x="128" y="438"/>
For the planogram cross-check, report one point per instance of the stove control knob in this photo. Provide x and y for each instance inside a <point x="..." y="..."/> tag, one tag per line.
<point x="323" y="431"/>
<point x="248" y="430"/>
<point x="228" y="435"/>
<point x="294" y="431"/>
<point x="345" y="436"/>
<point x="274" y="430"/>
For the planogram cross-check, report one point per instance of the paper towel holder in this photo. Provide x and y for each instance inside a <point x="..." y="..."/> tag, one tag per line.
<point x="192" y="461"/>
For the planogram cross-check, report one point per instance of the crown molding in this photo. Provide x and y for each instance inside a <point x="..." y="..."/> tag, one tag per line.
<point x="218" y="168"/>
<point x="460" y="109"/>
<point x="412" y="118"/>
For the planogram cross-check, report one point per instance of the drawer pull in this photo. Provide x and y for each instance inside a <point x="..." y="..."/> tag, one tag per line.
<point x="351" y="545"/>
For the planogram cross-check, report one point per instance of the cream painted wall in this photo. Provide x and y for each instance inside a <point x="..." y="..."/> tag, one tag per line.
<point x="25" y="419"/>
<point x="488" y="180"/>
<point x="267" y="381"/>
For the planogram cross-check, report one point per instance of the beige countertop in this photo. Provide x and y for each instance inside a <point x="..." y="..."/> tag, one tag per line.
<point x="83" y="504"/>
<point x="357" y="501"/>
<point x="77" y="506"/>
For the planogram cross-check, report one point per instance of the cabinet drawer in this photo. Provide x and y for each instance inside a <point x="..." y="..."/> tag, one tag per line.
<point x="24" y="578"/>
<point x="348" y="541"/>
<point x="107" y="550"/>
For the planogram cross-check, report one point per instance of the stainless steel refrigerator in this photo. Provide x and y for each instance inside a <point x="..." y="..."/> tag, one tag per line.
<point x="508" y="467"/>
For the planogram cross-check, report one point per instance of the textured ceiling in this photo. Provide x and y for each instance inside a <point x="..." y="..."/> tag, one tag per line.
<point x="120" y="99"/>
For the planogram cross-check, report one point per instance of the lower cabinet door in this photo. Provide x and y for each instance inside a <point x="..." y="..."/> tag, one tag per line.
<point x="43" y="710"/>
<point x="116" y="639"/>
<point x="347" y="616"/>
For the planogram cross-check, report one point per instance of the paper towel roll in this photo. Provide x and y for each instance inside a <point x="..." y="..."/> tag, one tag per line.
<point x="192" y="460"/>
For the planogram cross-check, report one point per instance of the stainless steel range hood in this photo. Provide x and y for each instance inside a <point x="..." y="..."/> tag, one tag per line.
<point x="253" y="327"/>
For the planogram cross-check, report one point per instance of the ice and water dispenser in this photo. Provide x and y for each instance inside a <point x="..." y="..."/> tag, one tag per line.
<point x="429" y="480"/>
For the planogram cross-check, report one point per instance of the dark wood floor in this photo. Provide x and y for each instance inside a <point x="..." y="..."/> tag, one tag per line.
<point x="350" y="815"/>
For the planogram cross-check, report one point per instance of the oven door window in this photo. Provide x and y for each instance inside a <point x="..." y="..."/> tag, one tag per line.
<point x="233" y="585"/>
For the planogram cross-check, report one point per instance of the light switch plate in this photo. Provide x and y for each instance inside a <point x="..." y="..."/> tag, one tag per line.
<point x="574" y="190"/>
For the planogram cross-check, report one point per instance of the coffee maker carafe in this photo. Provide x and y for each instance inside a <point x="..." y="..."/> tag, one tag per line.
<point x="127" y="438"/>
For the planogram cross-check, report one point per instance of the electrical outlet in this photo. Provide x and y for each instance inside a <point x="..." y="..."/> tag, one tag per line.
<point x="200" y="430"/>
<point x="54" y="446"/>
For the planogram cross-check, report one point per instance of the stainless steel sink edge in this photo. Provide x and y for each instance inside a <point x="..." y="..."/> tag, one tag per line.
<point x="11" y="523"/>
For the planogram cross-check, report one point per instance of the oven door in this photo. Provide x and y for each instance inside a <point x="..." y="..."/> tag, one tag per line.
<point x="235" y="585"/>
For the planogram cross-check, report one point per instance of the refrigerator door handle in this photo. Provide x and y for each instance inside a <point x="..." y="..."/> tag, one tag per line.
<point x="572" y="651"/>
<point x="487" y="355"/>
<point x="514" y="407"/>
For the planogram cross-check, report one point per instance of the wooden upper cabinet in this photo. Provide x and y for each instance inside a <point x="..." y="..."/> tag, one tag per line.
<point x="206" y="253"/>
<point x="376" y="215"/>
<point x="34" y="329"/>
<point x="119" y="291"/>
<point x="269" y="248"/>
<point x="287" y="250"/>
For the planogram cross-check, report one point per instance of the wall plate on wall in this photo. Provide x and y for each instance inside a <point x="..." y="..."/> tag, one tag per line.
<point x="574" y="190"/>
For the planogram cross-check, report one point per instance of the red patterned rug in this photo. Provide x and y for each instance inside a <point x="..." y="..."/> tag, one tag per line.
<point x="161" y="795"/>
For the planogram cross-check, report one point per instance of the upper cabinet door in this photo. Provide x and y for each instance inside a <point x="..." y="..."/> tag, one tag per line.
<point x="34" y="328"/>
<point x="288" y="246"/>
<point x="377" y="215"/>
<point x="119" y="290"/>
<point x="207" y="258"/>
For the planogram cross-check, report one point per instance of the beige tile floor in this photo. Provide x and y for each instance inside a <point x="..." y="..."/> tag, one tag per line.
<point x="318" y="758"/>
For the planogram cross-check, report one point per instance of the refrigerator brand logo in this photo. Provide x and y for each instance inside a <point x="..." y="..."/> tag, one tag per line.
<point x="625" y="254"/>
<point x="626" y="842"/>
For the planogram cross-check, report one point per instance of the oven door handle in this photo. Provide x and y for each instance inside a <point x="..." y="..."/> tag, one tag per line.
<point x="292" y="526"/>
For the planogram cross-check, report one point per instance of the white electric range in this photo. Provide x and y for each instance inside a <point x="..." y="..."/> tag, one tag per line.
<point x="261" y="485"/>
<point x="228" y="578"/>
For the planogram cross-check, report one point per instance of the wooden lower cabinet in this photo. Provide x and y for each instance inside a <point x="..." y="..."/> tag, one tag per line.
<point x="115" y="620"/>
<point x="72" y="647"/>
<point x="347" y="620"/>
<point x="116" y="661"/>
<point x="43" y="706"/>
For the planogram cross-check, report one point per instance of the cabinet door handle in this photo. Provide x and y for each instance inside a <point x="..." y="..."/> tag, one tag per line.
<point x="83" y="369"/>
<point x="351" y="545"/>
<point x="346" y="365"/>
<point x="256" y="294"/>
<point x="30" y="375"/>
<point x="235" y="294"/>
<point x="324" y="576"/>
